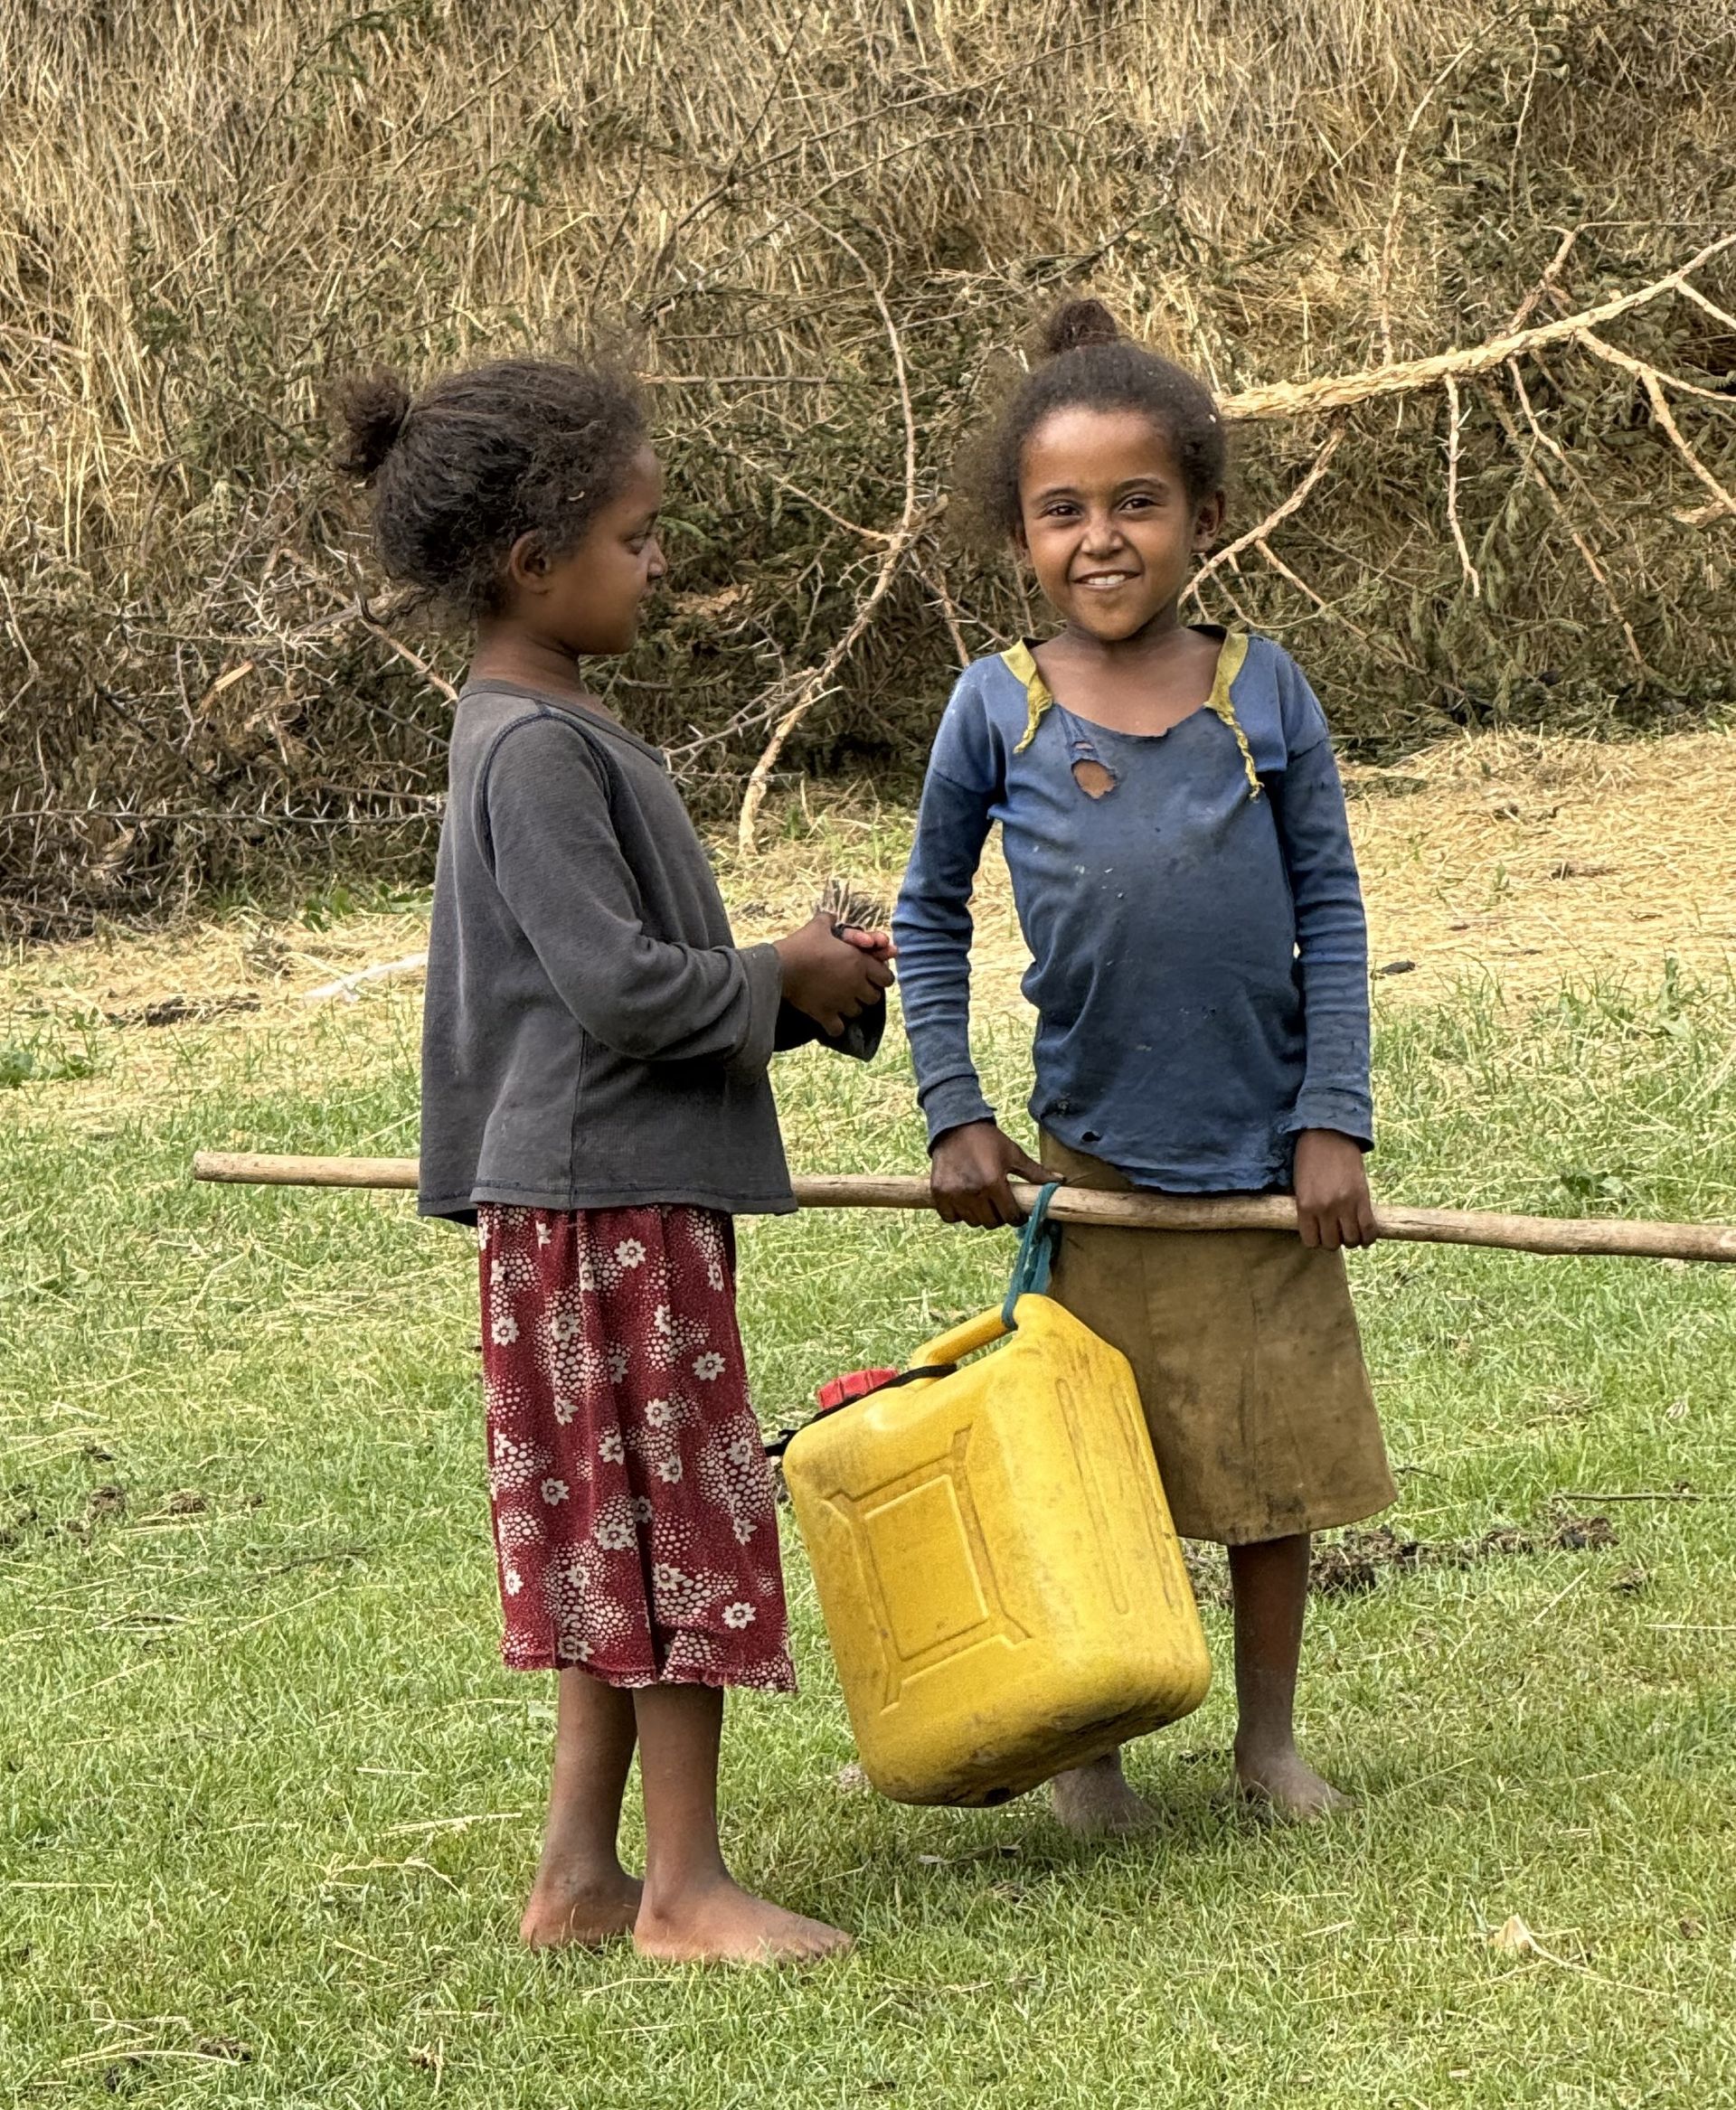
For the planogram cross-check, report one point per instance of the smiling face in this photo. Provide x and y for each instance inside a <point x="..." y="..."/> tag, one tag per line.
<point x="586" y="603"/>
<point x="1107" y="520"/>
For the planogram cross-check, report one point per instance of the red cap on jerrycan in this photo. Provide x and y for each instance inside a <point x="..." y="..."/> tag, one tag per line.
<point x="855" y="1384"/>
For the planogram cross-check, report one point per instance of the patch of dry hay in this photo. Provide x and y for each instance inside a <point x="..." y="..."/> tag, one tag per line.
<point x="208" y="213"/>
<point x="1533" y="860"/>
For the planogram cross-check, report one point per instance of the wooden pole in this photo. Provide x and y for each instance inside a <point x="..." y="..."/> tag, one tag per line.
<point x="1432" y="1227"/>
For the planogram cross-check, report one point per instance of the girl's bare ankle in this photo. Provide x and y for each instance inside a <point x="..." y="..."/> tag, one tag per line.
<point x="672" y="1896"/>
<point x="580" y="1878"/>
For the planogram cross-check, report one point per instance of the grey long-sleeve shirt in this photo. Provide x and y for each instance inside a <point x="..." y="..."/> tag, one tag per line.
<point x="592" y="1037"/>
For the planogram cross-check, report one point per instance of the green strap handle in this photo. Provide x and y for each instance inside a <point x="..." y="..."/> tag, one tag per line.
<point x="1036" y="1256"/>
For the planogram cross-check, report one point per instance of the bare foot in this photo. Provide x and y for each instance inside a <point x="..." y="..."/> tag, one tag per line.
<point x="1095" y="1802"/>
<point x="1283" y="1782"/>
<point x="586" y="1914"/>
<point x="723" y="1924"/>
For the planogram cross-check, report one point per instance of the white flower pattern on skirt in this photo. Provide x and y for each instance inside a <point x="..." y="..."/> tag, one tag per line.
<point x="631" y="1499"/>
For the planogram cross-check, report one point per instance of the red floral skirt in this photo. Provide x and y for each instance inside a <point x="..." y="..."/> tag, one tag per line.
<point x="632" y="1503"/>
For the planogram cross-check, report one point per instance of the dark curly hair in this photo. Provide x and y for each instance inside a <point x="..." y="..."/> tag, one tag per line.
<point x="479" y="459"/>
<point x="1088" y="363"/>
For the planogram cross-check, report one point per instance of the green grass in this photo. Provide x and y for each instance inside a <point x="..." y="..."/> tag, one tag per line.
<point x="266" y="1787"/>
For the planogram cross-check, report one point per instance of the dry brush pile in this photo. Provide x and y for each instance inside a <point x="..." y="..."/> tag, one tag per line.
<point x="1459" y="270"/>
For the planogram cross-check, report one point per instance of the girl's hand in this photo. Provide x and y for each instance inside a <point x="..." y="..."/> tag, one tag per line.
<point x="968" y="1172"/>
<point x="829" y="978"/>
<point x="877" y="944"/>
<point x="1333" y="1207"/>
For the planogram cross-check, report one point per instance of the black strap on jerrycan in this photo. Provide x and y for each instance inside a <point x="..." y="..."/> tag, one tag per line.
<point x="1031" y="1271"/>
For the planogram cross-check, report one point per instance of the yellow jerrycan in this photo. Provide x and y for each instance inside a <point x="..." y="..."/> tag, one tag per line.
<point x="1001" y="1583"/>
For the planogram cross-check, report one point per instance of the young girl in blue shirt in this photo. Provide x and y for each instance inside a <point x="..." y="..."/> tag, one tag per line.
<point x="1175" y="827"/>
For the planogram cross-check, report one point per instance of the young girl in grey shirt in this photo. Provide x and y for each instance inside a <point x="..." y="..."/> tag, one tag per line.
<point x="595" y="1101"/>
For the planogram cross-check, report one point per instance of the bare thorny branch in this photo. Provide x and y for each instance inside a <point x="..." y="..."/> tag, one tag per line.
<point x="1444" y="370"/>
<point x="808" y="688"/>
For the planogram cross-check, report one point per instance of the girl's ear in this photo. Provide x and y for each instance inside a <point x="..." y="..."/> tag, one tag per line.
<point x="1208" y="522"/>
<point x="527" y="562"/>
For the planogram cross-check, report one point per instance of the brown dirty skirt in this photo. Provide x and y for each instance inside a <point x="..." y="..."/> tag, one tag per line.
<point x="1245" y="1349"/>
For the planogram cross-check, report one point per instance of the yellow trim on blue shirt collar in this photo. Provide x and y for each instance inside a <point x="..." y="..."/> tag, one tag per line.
<point x="1038" y="699"/>
<point x="1232" y="654"/>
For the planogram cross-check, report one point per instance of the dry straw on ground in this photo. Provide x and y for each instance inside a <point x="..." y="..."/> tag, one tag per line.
<point x="822" y="228"/>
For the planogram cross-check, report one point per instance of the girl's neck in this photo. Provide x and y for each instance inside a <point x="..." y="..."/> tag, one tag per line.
<point x="507" y="654"/>
<point x="1152" y="641"/>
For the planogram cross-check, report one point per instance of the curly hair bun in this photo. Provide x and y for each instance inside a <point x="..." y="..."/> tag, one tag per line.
<point x="372" y="407"/>
<point x="1077" y="323"/>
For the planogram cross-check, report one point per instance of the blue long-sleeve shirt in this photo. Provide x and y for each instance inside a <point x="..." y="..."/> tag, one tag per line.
<point x="1200" y="954"/>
